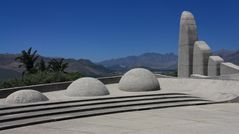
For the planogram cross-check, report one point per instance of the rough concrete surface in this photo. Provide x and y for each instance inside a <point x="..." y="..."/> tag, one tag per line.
<point x="139" y="79"/>
<point x="193" y="119"/>
<point x="201" y="53"/>
<point x="215" y="90"/>
<point x="229" y="77"/>
<point x="187" y="37"/>
<point x="25" y="96"/>
<point x="214" y="65"/>
<point x="86" y="87"/>
<point x="199" y="76"/>
<point x="228" y="68"/>
<point x="208" y="119"/>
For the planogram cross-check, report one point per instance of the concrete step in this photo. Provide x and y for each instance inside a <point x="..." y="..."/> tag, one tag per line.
<point x="85" y="103"/>
<point x="80" y="108"/>
<point x="29" y="114"/>
<point x="100" y="110"/>
<point x="5" y="107"/>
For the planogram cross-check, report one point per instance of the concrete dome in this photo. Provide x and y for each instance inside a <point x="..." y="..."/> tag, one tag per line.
<point x="139" y="79"/>
<point x="86" y="87"/>
<point x="26" y="96"/>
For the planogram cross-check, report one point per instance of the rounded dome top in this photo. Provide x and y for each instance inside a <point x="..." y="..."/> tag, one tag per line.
<point x="86" y="86"/>
<point x="26" y="96"/>
<point x="187" y="15"/>
<point x="139" y="79"/>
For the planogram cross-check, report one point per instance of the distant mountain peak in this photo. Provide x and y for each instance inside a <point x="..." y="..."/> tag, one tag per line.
<point x="148" y="60"/>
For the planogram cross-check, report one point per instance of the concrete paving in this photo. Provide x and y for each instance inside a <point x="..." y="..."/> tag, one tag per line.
<point x="215" y="90"/>
<point x="17" y="116"/>
<point x="212" y="118"/>
<point x="216" y="118"/>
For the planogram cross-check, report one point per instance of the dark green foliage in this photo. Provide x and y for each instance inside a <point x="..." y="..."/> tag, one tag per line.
<point x="40" y="78"/>
<point x="57" y="66"/>
<point x="41" y="66"/>
<point x="27" y="60"/>
<point x="39" y="73"/>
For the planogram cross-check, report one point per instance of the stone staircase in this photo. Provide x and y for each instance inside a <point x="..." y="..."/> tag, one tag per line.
<point x="24" y="115"/>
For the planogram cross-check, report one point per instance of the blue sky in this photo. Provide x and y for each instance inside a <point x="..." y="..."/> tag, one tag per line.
<point x="105" y="29"/>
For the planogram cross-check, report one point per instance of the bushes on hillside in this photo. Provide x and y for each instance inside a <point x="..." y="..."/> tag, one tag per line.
<point x="41" y="72"/>
<point x="40" y="78"/>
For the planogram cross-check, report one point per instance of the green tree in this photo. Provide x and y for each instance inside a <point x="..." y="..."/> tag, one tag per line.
<point x="57" y="66"/>
<point x="41" y="66"/>
<point x="27" y="59"/>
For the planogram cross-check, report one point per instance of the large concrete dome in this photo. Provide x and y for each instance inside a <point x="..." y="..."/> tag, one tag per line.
<point x="139" y="79"/>
<point x="26" y="96"/>
<point x="86" y="87"/>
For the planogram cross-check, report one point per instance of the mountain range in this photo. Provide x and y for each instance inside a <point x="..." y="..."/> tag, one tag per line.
<point x="157" y="61"/>
<point x="9" y="67"/>
<point x="153" y="61"/>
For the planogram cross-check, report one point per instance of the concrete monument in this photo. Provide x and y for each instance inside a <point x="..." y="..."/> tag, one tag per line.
<point x="26" y="96"/>
<point x="193" y="55"/>
<point x="214" y="65"/>
<point x="187" y="37"/>
<point x="201" y="53"/>
<point x="139" y="79"/>
<point x="228" y="68"/>
<point x="86" y="87"/>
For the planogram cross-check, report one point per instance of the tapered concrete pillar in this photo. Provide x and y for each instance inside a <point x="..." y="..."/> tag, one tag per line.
<point x="214" y="65"/>
<point x="187" y="37"/>
<point x="201" y="53"/>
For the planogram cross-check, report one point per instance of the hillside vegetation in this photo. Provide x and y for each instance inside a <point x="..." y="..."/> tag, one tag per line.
<point x="38" y="71"/>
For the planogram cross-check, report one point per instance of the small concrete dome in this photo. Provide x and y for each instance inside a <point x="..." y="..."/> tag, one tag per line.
<point x="86" y="87"/>
<point x="26" y="96"/>
<point x="139" y="79"/>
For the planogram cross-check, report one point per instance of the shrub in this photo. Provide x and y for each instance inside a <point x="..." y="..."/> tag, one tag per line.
<point x="40" y="78"/>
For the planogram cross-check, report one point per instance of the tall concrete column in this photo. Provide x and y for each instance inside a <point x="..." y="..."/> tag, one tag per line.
<point x="187" y="37"/>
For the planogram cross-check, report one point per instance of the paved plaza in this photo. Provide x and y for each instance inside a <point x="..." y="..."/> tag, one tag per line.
<point x="215" y="118"/>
